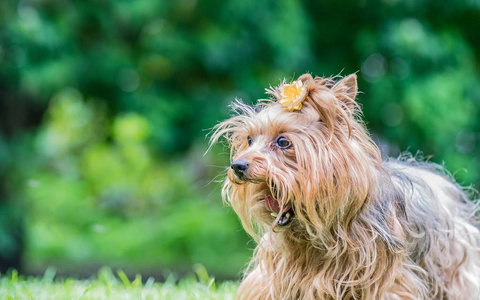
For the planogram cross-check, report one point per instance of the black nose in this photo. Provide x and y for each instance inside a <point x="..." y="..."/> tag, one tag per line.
<point x="239" y="167"/>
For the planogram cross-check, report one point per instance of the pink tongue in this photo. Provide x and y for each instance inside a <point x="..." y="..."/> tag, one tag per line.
<point x="272" y="204"/>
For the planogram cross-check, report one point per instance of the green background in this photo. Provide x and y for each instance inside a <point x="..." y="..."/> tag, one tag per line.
<point x="105" y="105"/>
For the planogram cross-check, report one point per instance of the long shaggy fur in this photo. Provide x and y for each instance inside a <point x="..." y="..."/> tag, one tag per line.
<point x="363" y="227"/>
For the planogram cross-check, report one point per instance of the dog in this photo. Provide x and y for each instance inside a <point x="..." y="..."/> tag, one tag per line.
<point x="332" y="219"/>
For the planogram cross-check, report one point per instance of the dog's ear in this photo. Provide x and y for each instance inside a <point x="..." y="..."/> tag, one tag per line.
<point x="333" y="102"/>
<point x="347" y="86"/>
<point x="346" y="90"/>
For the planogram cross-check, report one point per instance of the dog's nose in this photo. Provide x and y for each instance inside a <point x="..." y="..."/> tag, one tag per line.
<point x="239" y="167"/>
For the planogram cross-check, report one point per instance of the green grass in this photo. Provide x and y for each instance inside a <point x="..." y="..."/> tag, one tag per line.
<point x="107" y="285"/>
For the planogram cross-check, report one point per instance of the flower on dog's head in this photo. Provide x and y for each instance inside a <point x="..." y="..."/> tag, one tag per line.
<point x="292" y="95"/>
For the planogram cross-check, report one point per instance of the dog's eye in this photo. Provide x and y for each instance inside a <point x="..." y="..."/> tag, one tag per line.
<point x="249" y="140"/>
<point x="283" y="143"/>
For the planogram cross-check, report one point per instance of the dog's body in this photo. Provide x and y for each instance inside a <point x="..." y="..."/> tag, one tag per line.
<point x="331" y="218"/>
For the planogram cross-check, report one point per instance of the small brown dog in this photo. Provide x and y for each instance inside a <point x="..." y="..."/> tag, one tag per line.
<point x="331" y="218"/>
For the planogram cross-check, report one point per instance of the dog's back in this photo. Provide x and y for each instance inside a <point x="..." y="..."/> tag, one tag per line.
<point x="438" y="221"/>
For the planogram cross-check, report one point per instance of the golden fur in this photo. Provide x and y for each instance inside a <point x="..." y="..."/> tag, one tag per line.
<point x="362" y="227"/>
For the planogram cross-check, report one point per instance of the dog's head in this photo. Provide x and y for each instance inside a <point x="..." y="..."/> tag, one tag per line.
<point x="300" y="160"/>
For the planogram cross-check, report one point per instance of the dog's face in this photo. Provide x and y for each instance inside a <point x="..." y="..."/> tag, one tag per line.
<point x="297" y="167"/>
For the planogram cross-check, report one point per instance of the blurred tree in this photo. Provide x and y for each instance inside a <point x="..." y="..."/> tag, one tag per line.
<point x="103" y="106"/>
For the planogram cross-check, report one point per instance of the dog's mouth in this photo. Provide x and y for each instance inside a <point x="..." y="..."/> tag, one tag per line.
<point x="272" y="204"/>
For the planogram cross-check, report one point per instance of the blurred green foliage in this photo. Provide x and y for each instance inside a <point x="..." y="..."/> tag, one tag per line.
<point x="104" y="106"/>
<point x="98" y="195"/>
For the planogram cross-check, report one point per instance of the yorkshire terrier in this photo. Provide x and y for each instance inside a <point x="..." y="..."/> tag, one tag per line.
<point x="332" y="219"/>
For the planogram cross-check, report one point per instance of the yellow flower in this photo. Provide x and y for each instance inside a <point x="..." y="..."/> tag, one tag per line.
<point x="293" y="95"/>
